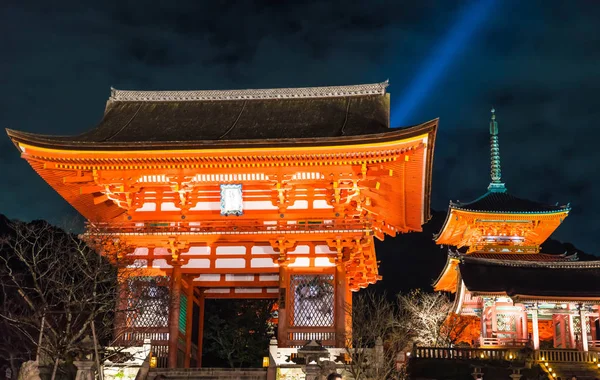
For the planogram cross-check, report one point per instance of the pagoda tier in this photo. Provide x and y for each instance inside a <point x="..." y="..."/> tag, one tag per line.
<point x="499" y="219"/>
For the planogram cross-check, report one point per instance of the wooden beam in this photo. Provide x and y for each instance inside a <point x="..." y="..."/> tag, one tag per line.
<point x="90" y="189"/>
<point x="78" y="179"/>
<point x="241" y="296"/>
<point x="100" y="199"/>
<point x="236" y="284"/>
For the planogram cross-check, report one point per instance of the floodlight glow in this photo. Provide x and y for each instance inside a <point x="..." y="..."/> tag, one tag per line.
<point x="442" y="56"/>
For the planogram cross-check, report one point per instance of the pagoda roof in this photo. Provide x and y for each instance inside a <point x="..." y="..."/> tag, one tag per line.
<point x="447" y="280"/>
<point x="505" y="203"/>
<point x="155" y="120"/>
<point x="531" y="279"/>
<point x="527" y="257"/>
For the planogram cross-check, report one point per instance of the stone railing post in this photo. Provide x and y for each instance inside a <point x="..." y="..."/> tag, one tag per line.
<point x="272" y="369"/>
<point x="516" y="374"/>
<point x="477" y="373"/>
<point x="379" y="353"/>
<point x="84" y="369"/>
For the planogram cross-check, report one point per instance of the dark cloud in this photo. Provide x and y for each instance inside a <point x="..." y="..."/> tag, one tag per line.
<point x="535" y="61"/>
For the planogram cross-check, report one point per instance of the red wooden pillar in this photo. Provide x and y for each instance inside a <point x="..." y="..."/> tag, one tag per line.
<point x="535" y="332"/>
<point x="174" y="314"/>
<point x="282" y="318"/>
<point x="342" y="306"/>
<point x="188" y="325"/>
<point x="584" y="335"/>
<point x="523" y="314"/>
<point x="200" y="327"/>
<point x="572" y="340"/>
<point x="121" y="327"/>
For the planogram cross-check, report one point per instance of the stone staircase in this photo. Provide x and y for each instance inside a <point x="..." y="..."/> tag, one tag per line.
<point x="207" y="373"/>
<point x="583" y="371"/>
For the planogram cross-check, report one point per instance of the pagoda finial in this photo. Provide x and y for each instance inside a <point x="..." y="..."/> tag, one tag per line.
<point x="496" y="185"/>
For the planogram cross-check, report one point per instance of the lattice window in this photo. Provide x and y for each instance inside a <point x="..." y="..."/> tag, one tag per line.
<point x="506" y="322"/>
<point x="148" y="302"/>
<point x="313" y="300"/>
<point x="182" y="313"/>
<point x="577" y="325"/>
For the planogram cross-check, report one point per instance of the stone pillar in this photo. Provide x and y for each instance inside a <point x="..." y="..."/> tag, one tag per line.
<point x="174" y="314"/>
<point x="535" y="329"/>
<point x="312" y="371"/>
<point x="84" y="369"/>
<point x="584" y="335"/>
<point x="272" y="369"/>
<point x="477" y="373"/>
<point x="516" y="374"/>
<point x="379" y="356"/>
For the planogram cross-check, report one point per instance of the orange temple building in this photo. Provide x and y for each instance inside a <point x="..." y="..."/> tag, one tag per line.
<point x="275" y="193"/>
<point x="518" y="295"/>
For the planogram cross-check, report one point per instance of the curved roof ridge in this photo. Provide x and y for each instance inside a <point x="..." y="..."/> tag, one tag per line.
<point x="248" y="94"/>
<point x="504" y="202"/>
<point x="78" y="142"/>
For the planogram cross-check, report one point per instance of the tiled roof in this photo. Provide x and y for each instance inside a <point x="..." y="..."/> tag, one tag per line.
<point x="532" y="257"/>
<point x="546" y="279"/>
<point x="502" y="202"/>
<point x="262" y="118"/>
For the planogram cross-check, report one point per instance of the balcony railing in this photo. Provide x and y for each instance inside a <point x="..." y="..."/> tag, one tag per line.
<point x="456" y="353"/>
<point x="502" y="342"/>
<point x="566" y="356"/>
<point x="498" y="353"/>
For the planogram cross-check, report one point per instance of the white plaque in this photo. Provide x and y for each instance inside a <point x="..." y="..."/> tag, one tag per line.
<point x="231" y="200"/>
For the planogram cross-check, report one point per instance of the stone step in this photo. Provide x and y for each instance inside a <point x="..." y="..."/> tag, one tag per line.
<point x="583" y="371"/>
<point x="207" y="374"/>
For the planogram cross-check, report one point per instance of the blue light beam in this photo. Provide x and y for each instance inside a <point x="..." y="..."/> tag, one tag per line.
<point x="446" y="52"/>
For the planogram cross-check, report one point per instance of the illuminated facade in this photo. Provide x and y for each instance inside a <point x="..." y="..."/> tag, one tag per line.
<point x="273" y="193"/>
<point x="517" y="294"/>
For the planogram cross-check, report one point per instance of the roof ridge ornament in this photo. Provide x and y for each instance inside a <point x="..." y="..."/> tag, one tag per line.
<point x="269" y="93"/>
<point x="496" y="186"/>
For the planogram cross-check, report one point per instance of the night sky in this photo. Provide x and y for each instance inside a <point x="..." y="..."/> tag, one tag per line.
<point x="537" y="62"/>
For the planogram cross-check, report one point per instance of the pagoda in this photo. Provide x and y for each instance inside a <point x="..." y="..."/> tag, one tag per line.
<point x="274" y="193"/>
<point x="516" y="294"/>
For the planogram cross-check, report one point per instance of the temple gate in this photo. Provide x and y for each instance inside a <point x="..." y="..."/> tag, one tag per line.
<point x="274" y="193"/>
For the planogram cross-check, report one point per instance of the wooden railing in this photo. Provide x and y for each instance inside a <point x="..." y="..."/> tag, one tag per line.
<point x="504" y="342"/>
<point x="161" y="352"/>
<point x="566" y="356"/>
<point x="455" y="353"/>
<point x="465" y="353"/>
<point x="139" y="336"/>
<point x="227" y="226"/>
